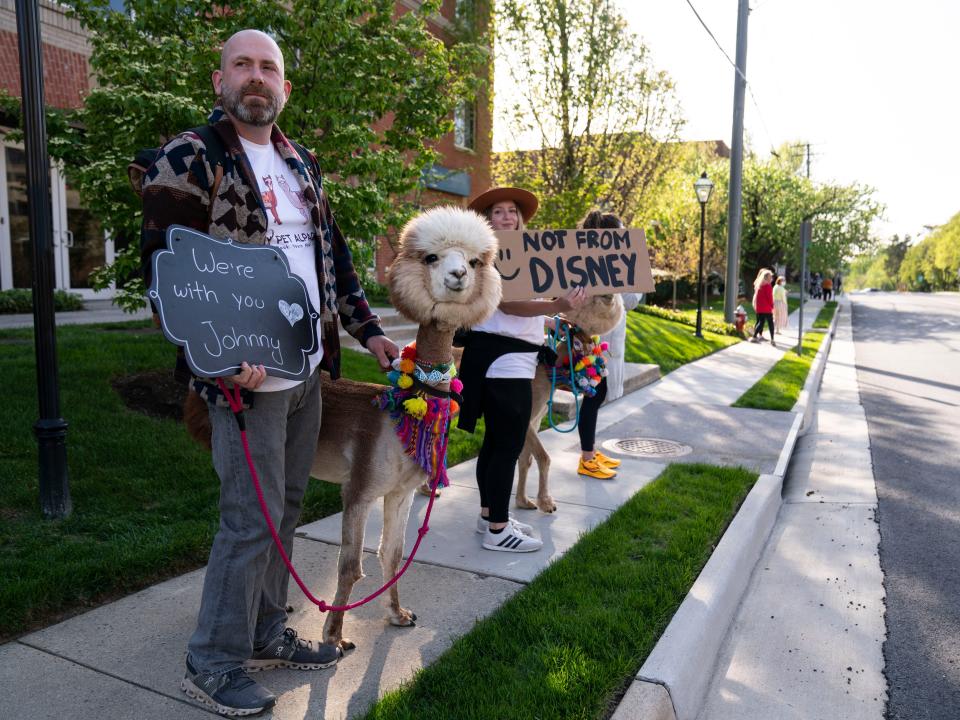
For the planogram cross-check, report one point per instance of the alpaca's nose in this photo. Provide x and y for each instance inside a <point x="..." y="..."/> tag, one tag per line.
<point x="459" y="273"/>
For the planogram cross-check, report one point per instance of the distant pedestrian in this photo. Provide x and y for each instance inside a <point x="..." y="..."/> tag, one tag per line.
<point x="837" y="285"/>
<point x="780" y="310"/>
<point x="763" y="304"/>
<point x="827" y="286"/>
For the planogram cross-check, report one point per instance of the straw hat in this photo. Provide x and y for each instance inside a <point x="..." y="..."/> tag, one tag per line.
<point x="526" y="201"/>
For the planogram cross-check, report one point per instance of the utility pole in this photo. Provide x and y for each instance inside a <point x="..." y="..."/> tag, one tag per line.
<point x="736" y="165"/>
<point x="806" y="232"/>
<point x="808" y="161"/>
<point x="50" y="429"/>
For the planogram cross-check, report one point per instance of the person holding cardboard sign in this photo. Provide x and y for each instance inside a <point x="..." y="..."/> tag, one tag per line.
<point x="499" y="362"/>
<point x="242" y="623"/>
<point x="594" y="463"/>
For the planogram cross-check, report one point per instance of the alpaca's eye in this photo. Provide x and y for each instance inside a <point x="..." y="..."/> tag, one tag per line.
<point x="474" y="262"/>
<point x="430" y="259"/>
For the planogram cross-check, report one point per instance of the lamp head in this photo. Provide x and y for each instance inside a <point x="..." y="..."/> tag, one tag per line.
<point x="703" y="186"/>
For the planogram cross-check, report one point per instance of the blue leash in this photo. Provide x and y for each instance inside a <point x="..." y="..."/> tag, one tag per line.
<point x="553" y="379"/>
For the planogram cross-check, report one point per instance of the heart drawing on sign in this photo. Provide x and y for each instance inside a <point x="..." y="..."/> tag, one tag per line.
<point x="291" y="311"/>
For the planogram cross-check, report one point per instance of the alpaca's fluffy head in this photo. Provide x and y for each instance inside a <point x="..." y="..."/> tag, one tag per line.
<point x="598" y="315"/>
<point x="444" y="270"/>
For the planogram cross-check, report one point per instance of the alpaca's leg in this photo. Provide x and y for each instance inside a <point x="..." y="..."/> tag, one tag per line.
<point x="544" y="500"/>
<point x="349" y="568"/>
<point x="396" y="510"/>
<point x="523" y="467"/>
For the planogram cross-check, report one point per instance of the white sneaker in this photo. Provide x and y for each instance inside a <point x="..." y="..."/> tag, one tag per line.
<point x="511" y="540"/>
<point x="484" y="525"/>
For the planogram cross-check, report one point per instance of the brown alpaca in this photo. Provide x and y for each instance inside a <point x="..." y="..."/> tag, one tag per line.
<point x="598" y="315"/>
<point x="442" y="278"/>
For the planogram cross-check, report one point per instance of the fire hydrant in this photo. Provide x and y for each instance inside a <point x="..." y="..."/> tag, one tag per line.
<point x="740" y="315"/>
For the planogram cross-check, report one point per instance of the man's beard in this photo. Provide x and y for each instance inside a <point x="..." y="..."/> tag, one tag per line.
<point x="256" y="115"/>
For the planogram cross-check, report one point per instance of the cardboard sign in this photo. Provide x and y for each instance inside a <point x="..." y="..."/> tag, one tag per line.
<point x="226" y="303"/>
<point x="548" y="263"/>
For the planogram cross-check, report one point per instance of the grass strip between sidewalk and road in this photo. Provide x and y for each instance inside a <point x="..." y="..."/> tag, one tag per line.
<point x="825" y="316"/>
<point x="780" y="388"/>
<point x="570" y="643"/>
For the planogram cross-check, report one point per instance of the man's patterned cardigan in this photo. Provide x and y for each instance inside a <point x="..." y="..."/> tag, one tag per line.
<point x="176" y="190"/>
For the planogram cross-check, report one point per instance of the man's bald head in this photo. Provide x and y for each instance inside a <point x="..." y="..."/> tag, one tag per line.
<point x="245" y="41"/>
<point x="250" y="82"/>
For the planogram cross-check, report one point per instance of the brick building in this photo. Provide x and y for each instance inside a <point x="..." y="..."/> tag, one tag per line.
<point x="464" y="169"/>
<point x="79" y="243"/>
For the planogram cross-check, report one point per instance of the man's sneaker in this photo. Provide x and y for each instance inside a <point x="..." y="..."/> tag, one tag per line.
<point x="288" y="651"/>
<point x="591" y="468"/>
<point x="484" y="525"/>
<point x="233" y="693"/>
<point x="604" y="460"/>
<point x="511" y="540"/>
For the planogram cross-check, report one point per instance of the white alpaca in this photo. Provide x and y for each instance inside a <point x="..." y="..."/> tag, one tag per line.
<point x="442" y="278"/>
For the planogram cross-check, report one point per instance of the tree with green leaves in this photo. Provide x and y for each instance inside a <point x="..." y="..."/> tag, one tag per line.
<point x="672" y="217"/>
<point x="371" y="94"/>
<point x="777" y="199"/>
<point x="934" y="262"/>
<point x="582" y="92"/>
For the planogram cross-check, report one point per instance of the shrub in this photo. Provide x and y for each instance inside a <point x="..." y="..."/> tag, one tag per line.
<point x="21" y="301"/>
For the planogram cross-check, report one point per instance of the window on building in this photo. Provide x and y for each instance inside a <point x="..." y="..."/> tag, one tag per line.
<point x="464" y="126"/>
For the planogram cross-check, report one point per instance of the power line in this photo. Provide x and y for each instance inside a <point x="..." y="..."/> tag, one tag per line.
<point x="753" y="97"/>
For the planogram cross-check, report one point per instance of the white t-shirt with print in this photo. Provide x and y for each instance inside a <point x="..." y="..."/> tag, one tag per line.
<point x="520" y="365"/>
<point x="289" y="228"/>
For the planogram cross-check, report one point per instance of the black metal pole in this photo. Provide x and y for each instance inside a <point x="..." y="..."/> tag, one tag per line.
<point x="50" y="429"/>
<point x="703" y="219"/>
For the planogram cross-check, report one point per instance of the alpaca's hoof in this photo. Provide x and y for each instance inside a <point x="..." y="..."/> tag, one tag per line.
<point x="546" y="504"/>
<point x="424" y="489"/>
<point x="405" y="618"/>
<point x="524" y="503"/>
<point x="343" y="643"/>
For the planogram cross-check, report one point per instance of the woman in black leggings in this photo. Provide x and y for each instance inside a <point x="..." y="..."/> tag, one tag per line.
<point x="499" y="361"/>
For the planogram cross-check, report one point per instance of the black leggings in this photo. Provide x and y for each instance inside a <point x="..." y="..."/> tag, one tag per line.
<point x="506" y="414"/>
<point x="759" y="326"/>
<point x="589" y="408"/>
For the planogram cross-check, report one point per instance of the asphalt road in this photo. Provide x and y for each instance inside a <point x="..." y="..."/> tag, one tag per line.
<point x="908" y="366"/>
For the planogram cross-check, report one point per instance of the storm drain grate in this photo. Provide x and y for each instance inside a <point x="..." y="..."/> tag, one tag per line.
<point x="648" y="447"/>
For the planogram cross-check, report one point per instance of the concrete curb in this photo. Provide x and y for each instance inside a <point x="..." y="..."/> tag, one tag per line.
<point x="673" y="682"/>
<point x="700" y="625"/>
<point x="811" y="388"/>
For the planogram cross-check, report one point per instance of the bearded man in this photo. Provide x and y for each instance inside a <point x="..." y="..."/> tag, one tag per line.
<point x="242" y="623"/>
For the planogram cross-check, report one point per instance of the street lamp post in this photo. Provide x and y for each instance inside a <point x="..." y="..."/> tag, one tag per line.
<point x="703" y="186"/>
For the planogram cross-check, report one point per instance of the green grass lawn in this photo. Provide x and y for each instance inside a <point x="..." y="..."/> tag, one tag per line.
<point x="570" y="643"/>
<point x="668" y="344"/>
<point x="825" y="316"/>
<point x="780" y="388"/>
<point x="144" y="494"/>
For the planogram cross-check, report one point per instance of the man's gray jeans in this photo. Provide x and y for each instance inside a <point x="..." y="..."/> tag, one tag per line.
<point x="245" y="589"/>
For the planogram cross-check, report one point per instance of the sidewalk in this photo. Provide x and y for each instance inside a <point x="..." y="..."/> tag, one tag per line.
<point x="807" y="640"/>
<point x="125" y="659"/>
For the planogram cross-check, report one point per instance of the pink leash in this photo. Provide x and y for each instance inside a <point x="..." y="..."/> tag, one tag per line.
<point x="236" y="406"/>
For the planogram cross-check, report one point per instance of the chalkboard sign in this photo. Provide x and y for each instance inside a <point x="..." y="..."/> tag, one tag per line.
<point x="226" y="304"/>
<point x="548" y="263"/>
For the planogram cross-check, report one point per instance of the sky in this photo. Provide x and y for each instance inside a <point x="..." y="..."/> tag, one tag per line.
<point x="870" y="84"/>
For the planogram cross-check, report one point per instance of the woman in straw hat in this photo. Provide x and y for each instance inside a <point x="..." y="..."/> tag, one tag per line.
<point x="499" y="362"/>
